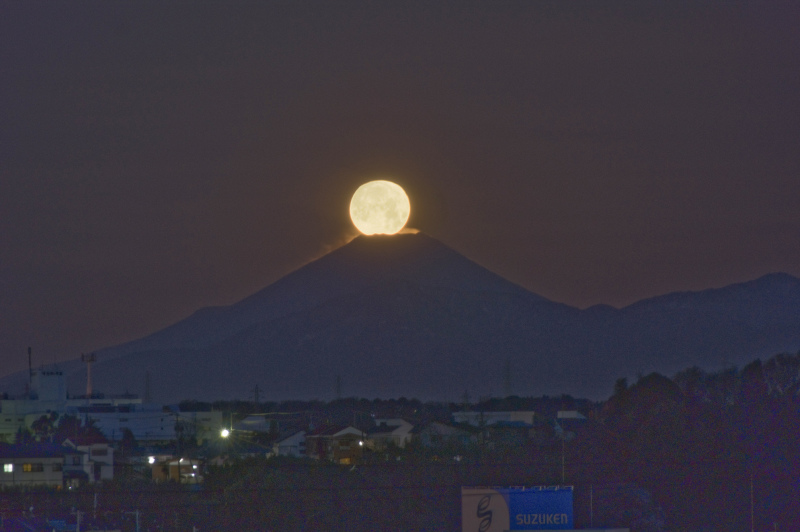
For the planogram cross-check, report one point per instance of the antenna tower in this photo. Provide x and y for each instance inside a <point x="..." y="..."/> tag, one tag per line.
<point x="88" y="359"/>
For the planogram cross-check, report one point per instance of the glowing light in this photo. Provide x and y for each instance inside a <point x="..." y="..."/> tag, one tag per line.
<point x="379" y="207"/>
<point x="151" y="460"/>
<point x="225" y="433"/>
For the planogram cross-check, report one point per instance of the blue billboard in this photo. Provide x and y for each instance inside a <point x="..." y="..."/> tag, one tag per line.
<point x="497" y="509"/>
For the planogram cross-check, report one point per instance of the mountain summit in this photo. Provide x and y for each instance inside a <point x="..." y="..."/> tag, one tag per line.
<point x="404" y="315"/>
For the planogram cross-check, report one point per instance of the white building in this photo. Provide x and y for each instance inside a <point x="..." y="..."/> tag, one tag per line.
<point x="292" y="445"/>
<point x="394" y="431"/>
<point x="97" y="458"/>
<point x="147" y="422"/>
<point x="36" y="464"/>
<point x="48" y="394"/>
<point x="204" y="426"/>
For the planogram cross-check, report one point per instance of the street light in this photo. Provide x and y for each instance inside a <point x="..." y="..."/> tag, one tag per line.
<point x="225" y="433"/>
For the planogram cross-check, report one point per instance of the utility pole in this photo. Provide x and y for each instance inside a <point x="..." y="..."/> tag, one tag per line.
<point x="78" y="525"/>
<point x="136" y="513"/>
<point x="752" y="515"/>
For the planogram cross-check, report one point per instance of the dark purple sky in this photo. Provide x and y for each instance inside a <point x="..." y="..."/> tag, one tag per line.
<point x="158" y="158"/>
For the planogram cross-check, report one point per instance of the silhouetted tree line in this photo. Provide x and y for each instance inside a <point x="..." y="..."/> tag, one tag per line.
<point x="698" y="442"/>
<point x="55" y="428"/>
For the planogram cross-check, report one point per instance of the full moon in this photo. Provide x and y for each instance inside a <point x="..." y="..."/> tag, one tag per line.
<point x="379" y="207"/>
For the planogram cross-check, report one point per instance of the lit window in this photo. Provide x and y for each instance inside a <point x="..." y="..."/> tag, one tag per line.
<point x="8" y="468"/>
<point x="32" y="468"/>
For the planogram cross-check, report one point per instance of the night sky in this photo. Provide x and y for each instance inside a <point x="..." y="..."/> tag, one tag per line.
<point x="156" y="158"/>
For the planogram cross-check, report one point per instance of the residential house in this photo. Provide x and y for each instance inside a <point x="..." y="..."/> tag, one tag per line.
<point x="437" y="434"/>
<point x="337" y="443"/>
<point x="98" y="456"/>
<point x="292" y="445"/>
<point x="387" y="432"/>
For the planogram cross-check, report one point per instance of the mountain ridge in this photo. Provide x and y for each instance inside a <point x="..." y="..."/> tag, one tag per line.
<point x="407" y="315"/>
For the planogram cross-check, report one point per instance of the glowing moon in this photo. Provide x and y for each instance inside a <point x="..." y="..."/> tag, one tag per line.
<point x="379" y="207"/>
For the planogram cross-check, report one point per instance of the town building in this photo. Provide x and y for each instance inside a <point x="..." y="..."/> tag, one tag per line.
<point x="202" y="426"/>
<point x="43" y="464"/>
<point x="48" y="394"/>
<point x="112" y="415"/>
<point x="148" y="422"/>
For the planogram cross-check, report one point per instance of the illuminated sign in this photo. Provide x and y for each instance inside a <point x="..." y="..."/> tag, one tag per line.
<point x="500" y="509"/>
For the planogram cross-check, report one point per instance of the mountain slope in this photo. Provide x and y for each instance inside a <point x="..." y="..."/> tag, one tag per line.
<point x="405" y="315"/>
<point x="363" y="263"/>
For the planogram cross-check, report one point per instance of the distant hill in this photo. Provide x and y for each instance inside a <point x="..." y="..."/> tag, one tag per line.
<point x="405" y="315"/>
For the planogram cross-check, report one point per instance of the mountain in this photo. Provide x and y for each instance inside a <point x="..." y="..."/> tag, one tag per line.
<point x="404" y="315"/>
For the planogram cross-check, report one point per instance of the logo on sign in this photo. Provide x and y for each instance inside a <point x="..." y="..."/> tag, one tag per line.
<point x="484" y="513"/>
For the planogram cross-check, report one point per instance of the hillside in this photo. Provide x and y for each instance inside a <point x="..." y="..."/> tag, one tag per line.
<point x="405" y="315"/>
